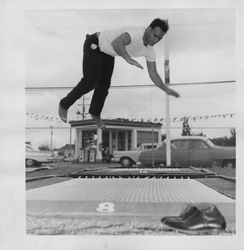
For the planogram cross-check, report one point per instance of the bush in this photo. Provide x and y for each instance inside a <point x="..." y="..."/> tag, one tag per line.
<point x="226" y="141"/>
<point x="44" y="148"/>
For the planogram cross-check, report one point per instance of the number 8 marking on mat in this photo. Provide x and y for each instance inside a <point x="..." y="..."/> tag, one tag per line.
<point x="105" y="207"/>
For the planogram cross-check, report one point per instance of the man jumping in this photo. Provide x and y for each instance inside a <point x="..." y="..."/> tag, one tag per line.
<point x="98" y="63"/>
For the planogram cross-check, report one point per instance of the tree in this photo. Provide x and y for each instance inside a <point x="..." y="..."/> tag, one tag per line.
<point x="44" y="147"/>
<point x="226" y="141"/>
<point x="232" y="139"/>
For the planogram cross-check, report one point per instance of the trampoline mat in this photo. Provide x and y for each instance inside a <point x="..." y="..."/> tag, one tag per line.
<point x="143" y="172"/>
<point x="120" y="196"/>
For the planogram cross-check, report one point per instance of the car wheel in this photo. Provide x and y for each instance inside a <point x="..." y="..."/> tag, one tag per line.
<point x="160" y="164"/>
<point x="126" y="162"/>
<point x="29" y="163"/>
<point x="229" y="163"/>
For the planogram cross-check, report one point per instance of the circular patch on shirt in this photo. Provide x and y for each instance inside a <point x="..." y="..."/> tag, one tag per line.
<point x="93" y="46"/>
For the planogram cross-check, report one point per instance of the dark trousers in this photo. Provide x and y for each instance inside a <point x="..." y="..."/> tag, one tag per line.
<point x="97" y="72"/>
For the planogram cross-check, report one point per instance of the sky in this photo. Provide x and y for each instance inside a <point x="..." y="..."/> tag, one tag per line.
<point x="202" y="49"/>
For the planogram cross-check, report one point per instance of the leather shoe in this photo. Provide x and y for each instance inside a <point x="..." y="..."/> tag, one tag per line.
<point x="208" y="220"/>
<point x="190" y="209"/>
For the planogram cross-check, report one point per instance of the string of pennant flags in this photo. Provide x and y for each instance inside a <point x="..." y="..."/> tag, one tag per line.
<point x="49" y="118"/>
<point x="195" y="118"/>
<point x="38" y="117"/>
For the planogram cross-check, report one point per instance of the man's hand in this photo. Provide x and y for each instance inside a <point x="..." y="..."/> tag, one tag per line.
<point x="134" y="62"/>
<point x="172" y="92"/>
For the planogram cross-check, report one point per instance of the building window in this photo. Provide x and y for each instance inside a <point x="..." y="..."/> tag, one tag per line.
<point x="129" y="140"/>
<point x="146" y="137"/>
<point x="105" y="136"/>
<point x="121" y="141"/>
<point x="114" y="141"/>
<point x="88" y="138"/>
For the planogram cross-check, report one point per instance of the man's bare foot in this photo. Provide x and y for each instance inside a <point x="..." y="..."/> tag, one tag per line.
<point x="98" y="121"/>
<point x="62" y="113"/>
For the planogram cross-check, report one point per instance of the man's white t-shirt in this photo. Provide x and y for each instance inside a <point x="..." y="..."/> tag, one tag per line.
<point x="135" y="49"/>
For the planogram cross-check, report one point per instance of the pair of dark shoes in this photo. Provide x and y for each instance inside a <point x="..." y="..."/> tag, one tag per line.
<point x="195" y="220"/>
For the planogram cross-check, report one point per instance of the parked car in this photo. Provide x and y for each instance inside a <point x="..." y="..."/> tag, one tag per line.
<point x="35" y="157"/>
<point x="128" y="158"/>
<point x="187" y="151"/>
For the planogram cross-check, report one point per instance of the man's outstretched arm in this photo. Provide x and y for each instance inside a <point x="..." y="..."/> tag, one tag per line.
<point x="119" y="44"/>
<point x="155" y="77"/>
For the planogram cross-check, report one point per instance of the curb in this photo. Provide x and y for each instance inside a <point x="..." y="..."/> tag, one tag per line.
<point x="40" y="178"/>
<point x="226" y="178"/>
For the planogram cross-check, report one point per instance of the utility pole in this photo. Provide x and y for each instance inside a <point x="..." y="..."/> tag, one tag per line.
<point x="83" y="108"/>
<point x="83" y="113"/>
<point x="51" y="127"/>
<point x="167" y="109"/>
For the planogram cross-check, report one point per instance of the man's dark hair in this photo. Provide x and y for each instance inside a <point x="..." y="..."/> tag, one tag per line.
<point x="162" y="24"/>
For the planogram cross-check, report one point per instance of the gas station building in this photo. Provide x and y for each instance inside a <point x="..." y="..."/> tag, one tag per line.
<point x="119" y="135"/>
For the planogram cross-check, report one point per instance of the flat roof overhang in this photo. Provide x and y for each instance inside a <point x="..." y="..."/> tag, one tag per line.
<point x="116" y="123"/>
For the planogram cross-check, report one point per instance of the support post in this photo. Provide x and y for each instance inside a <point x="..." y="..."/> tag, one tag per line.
<point x="51" y="143"/>
<point x="70" y="148"/>
<point x="134" y="139"/>
<point x="110" y="142"/>
<point x="167" y="101"/>
<point x="77" y="143"/>
<point x="153" y="160"/>
<point x="99" y="144"/>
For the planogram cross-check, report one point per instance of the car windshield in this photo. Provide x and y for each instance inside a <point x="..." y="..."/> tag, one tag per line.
<point x="31" y="148"/>
<point x="210" y="143"/>
<point x="161" y="144"/>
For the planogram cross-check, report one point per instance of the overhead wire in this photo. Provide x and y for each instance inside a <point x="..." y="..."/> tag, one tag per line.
<point x="79" y="26"/>
<point x="29" y="88"/>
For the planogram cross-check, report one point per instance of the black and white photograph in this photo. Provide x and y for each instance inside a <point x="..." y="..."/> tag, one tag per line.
<point x="129" y="126"/>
